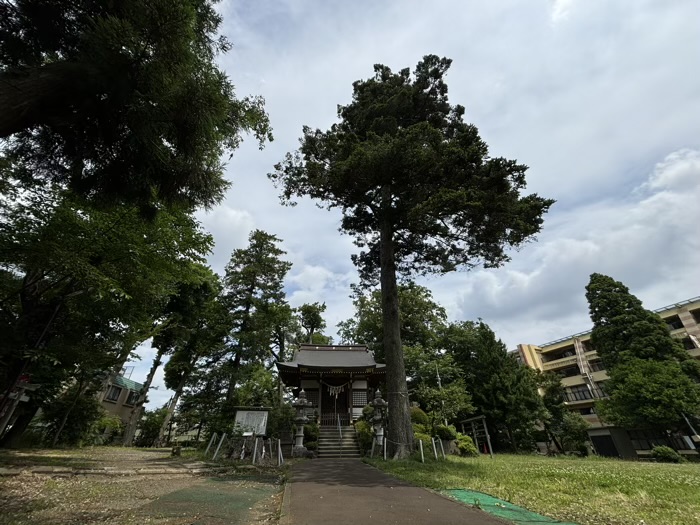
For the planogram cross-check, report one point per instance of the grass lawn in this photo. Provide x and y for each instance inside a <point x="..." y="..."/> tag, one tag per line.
<point x="589" y="491"/>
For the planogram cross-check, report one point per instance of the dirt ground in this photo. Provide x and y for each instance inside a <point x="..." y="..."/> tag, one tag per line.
<point x="245" y="496"/>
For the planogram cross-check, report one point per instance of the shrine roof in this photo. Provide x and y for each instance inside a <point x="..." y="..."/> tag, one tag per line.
<point x="332" y="356"/>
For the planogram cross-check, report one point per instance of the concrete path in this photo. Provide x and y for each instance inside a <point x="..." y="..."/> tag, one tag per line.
<point x="349" y="492"/>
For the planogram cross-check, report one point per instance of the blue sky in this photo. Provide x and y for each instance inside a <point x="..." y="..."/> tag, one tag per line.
<point x="601" y="98"/>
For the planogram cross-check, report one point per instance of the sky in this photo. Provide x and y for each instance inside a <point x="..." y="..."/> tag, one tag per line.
<point x="600" y="98"/>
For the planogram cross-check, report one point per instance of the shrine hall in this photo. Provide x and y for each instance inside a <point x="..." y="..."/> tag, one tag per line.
<point x="336" y="379"/>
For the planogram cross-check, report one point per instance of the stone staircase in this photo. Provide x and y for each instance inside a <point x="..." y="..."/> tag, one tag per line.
<point x="330" y="445"/>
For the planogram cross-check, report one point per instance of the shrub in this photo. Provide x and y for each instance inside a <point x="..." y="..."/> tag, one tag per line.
<point x="365" y="435"/>
<point x="418" y="416"/>
<point x="666" y="455"/>
<point x="311" y="432"/>
<point x="311" y="445"/>
<point x="280" y="420"/>
<point x="417" y="427"/>
<point x="447" y="433"/>
<point x="466" y="446"/>
<point x="425" y="438"/>
<point x="367" y="412"/>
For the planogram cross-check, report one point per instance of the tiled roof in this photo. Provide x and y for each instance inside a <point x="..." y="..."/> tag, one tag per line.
<point x="332" y="356"/>
<point x="126" y="383"/>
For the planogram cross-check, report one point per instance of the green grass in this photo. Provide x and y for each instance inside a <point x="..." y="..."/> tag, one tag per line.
<point x="588" y="491"/>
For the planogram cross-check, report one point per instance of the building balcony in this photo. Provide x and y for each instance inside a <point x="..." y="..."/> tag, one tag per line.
<point x="559" y="363"/>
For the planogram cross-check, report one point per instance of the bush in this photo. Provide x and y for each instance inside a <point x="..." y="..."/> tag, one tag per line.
<point x="426" y="439"/>
<point x="446" y="433"/>
<point x="666" y="455"/>
<point x="466" y="446"/>
<point x="311" y="432"/>
<point x="280" y="421"/>
<point x="417" y="427"/>
<point x="419" y="417"/>
<point x="367" y="412"/>
<point x="311" y="445"/>
<point x="365" y="435"/>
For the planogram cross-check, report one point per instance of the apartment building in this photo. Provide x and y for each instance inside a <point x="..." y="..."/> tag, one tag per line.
<point x="584" y="376"/>
<point x="120" y="395"/>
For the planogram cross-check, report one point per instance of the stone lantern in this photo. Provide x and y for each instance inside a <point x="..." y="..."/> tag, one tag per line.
<point x="300" y="404"/>
<point x="380" y="408"/>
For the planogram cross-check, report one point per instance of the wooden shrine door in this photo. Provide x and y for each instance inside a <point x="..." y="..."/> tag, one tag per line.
<point x="334" y="405"/>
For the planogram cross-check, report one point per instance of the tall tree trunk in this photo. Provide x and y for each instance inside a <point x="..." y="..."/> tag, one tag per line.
<point x="78" y="393"/>
<point x="44" y="95"/>
<point x="236" y="363"/>
<point x="399" y="419"/>
<point x="135" y="416"/>
<point x="171" y="409"/>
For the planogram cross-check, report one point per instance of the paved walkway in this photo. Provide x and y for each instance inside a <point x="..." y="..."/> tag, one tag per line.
<point x="349" y="492"/>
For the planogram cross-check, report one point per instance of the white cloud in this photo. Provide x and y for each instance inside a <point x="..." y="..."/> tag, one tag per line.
<point x="561" y="9"/>
<point x="646" y="239"/>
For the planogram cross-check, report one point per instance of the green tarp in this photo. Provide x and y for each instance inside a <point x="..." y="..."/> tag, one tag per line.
<point x="500" y="508"/>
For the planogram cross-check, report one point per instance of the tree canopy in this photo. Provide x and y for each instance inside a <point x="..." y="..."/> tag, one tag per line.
<point x="418" y="192"/>
<point x="122" y="100"/>
<point x="653" y="381"/>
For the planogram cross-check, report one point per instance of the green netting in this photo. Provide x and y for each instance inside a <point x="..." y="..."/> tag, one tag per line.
<point x="500" y="508"/>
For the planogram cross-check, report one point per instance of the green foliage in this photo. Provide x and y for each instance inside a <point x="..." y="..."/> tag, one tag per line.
<point x="86" y="418"/>
<point x="501" y="389"/>
<point x="421" y="320"/>
<point x="124" y="100"/>
<point x="466" y="446"/>
<point x="280" y="420"/>
<point x="311" y="319"/>
<point x="426" y="439"/>
<point x="445" y="402"/>
<point x="311" y="432"/>
<point x="367" y="412"/>
<point x="365" y="435"/>
<point x="666" y="455"/>
<point x="653" y="381"/>
<point x="451" y="202"/>
<point x="311" y="445"/>
<point x="423" y="429"/>
<point x="573" y="432"/>
<point x="149" y="427"/>
<point x="645" y="393"/>
<point x="446" y="432"/>
<point x="419" y="417"/>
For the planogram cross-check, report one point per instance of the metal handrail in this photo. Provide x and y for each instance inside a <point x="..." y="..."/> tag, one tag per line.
<point x="340" y="432"/>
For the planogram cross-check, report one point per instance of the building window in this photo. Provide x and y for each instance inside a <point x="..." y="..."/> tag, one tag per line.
<point x="688" y="343"/>
<point x="113" y="394"/>
<point x="586" y="411"/>
<point x="578" y="393"/>
<point x="696" y="315"/>
<point x="359" y="398"/>
<point x="596" y="366"/>
<point x="674" y="322"/>
<point x="133" y="397"/>
<point x="569" y="371"/>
